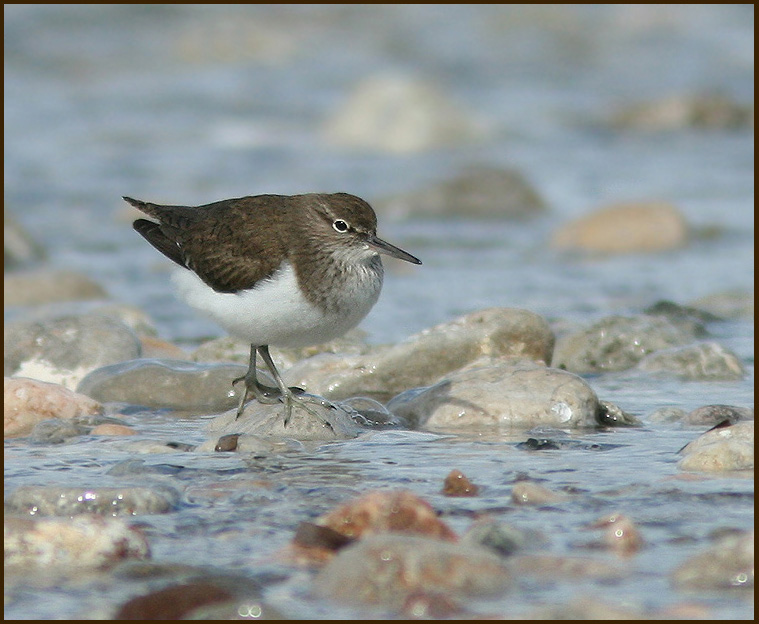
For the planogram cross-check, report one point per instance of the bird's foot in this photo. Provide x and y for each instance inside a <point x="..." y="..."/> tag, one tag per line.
<point x="268" y="395"/>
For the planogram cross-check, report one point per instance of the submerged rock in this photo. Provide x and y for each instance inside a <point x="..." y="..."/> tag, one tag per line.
<point x="377" y="512"/>
<point x="53" y="500"/>
<point x="387" y="569"/>
<point x="715" y="414"/>
<point x="728" y="564"/>
<point x="680" y="111"/>
<point x="73" y="543"/>
<point x="530" y="493"/>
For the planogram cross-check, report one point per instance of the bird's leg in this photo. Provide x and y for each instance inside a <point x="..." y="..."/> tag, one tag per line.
<point x="288" y="395"/>
<point x="263" y="393"/>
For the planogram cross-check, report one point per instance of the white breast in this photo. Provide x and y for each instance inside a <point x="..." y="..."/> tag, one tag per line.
<point x="275" y="312"/>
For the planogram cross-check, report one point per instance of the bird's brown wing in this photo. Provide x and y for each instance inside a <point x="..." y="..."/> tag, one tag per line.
<point x="229" y="244"/>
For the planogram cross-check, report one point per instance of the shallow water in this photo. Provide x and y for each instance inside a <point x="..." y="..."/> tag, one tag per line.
<point x="156" y="102"/>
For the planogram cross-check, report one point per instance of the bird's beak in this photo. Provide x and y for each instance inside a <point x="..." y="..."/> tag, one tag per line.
<point x="390" y="250"/>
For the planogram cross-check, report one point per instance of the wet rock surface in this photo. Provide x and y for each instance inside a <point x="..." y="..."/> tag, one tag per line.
<point x="67" y="501"/>
<point x="520" y="394"/>
<point x="387" y="569"/>
<point x="721" y="449"/>
<point x="27" y="402"/>
<point x="426" y="357"/>
<point x="484" y="374"/>
<point x="161" y="383"/>
<point x="64" y="350"/>
<point x="617" y="343"/>
<point x="82" y="542"/>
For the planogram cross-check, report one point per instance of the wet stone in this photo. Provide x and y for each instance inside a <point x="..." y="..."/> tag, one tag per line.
<point x="611" y="415"/>
<point x="721" y="449"/>
<point x="705" y="361"/>
<point x="173" y="384"/>
<point x="377" y="512"/>
<point x="387" y="569"/>
<point x="728" y="564"/>
<point x="729" y="304"/>
<point x="426" y="357"/>
<point x="691" y="319"/>
<point x="520" y="394"/>
<point x="530" y="493"/>
<point x="56" y="431"/>
<point x="112" y="429"/>
<point x="500" y="538"/>
<point x="80" y="542"/>
<point x="620" y="534"/>
<point x="172" y="603"/>
<point x="65" y="350"/>
<point x="27" y="402"/>
<point x="715" y="414"/>
<point x="456" y="484"/>
<point x="616" y="343"/>
<point x="267" y="420"/>
<point x="40" y="500"/>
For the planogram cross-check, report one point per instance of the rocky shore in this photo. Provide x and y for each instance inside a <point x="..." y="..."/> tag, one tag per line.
<point x="93" y="369"/>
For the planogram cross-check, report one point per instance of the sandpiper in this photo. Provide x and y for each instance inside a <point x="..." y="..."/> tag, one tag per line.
<point x="282" y="270"/>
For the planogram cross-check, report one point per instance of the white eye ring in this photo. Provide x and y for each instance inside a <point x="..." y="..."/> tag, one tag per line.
<point x="340" y="226"/>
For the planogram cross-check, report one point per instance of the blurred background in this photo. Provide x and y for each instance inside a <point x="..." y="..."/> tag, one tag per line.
<point x="476" y="131"/>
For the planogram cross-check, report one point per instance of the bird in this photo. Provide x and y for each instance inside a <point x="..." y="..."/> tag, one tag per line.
<point x="274" y="270"/>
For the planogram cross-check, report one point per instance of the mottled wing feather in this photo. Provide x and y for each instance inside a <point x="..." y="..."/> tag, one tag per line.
<point x="215" y="241"/>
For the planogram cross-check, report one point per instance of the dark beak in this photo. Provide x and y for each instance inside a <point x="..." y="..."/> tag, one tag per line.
<point x="390" y="250"/>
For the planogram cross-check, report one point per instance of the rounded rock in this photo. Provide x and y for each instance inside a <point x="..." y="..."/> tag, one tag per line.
<point x="80" y="542"/>
<point x="27" y="402"/>
<point x="721" y="449"/>
<point x="51" y="500"/>
<point x="705" y="361"/>
<point x="625" y="228"/>
<point x="616" y="343"/>
<point x="160" y="383"/>
<point x="387" y="569"/>
<point x="518" y="395"/>
<point x="426" y="357"/>
<point x="64" y="350"/>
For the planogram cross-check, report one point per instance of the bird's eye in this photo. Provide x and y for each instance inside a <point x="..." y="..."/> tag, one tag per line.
<point x="340" y="225"/>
